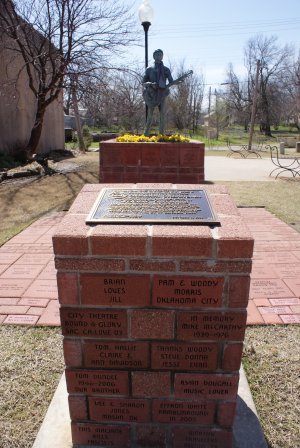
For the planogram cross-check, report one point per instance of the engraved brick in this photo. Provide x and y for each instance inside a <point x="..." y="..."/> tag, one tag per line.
<point x="96" y="382"/>
<point x="269" y="288"/>
<point x="32" y="302"/>
<point x="21" y="319"/>
<point x="94" y="322"/>
<point x="184" y="291"/>
<point x="72" y="352"/>
<point x="239" y="291"/>
<point x="113" y="436"/>
<point x="289" y="319"/>
<point x="151" y="436"/>
<point x="67" y="288"/>
<point x="10" y="287"/>
<point x="167" y="411"/>
<point x="232" y="357"/>
<point x="212" y="386"/>
<point x="115" y="290"/>
<point x="119" y="410"/>
<point x="196" y="437"/>
<point x="116" y="355"/>
<point x="42" y="289"/>
<point x="22" y="271"/>
<point x="78" y="408"/>
<point x="182" y="356"/>
<point x="151" y="384"/>
<point x="148" y="324"/>
<point x="226" y="413"/>
<point x="211" y="326"/>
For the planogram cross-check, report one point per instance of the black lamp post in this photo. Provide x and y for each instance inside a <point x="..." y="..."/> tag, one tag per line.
<point x="146" y="16"/>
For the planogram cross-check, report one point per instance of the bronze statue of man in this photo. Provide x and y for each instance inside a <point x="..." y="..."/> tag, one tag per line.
<point x="156" y="90"/>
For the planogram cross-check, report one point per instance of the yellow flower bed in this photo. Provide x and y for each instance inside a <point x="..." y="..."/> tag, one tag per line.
<point x="156" y="138"/>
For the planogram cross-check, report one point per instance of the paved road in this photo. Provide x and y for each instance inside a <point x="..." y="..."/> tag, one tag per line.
<point x="229" y="168"/>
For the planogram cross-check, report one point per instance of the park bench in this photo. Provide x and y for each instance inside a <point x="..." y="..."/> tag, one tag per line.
<point x="289" y="164"/>
<point x="244" y="151"/>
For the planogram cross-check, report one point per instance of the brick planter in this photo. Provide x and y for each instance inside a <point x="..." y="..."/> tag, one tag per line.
<point x="152" y="162"/>
<point x="153" y="319"/>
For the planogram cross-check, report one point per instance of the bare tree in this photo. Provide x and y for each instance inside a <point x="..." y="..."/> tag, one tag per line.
<point x="186" y="99"/>
<point x="274" y="60"/>
<point x="115" y="98"/>
<point x="291" y="81"/>
<point x="238" y="97"/>
<point x="56" y="38"/>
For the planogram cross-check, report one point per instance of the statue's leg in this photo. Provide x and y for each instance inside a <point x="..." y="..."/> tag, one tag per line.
<point x="149" y="121"/>
<point x="162" y="117"/>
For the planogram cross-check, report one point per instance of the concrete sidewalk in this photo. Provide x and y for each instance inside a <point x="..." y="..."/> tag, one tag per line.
<point x="238" y="169"/>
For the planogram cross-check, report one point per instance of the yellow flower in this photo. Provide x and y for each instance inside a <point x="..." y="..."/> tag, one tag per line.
<point x="158" y="138"/>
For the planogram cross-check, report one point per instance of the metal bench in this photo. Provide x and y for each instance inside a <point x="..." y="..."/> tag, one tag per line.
<point x="290" y="164"/>
<point x="244" y="151"/>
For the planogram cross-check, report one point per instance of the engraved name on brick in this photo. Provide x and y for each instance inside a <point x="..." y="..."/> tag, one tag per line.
<point x="170" y="291"/>
<point x="93" y="322"/>
<point x="90" y="382"/>
<point x="115" y="290"/>
<point x="181" y="356"/>
<point x="119" y="410"/>
<point x="195" y="438"/>
<point x="211" y="326"/>
<point x="183" y="412"/>
<point x="102" y="435"/>
<point x="206" y="386"/>
<point x="116" y="355"/>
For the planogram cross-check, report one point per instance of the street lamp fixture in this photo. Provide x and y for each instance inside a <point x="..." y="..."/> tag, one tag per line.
<point x="146" y="16"/>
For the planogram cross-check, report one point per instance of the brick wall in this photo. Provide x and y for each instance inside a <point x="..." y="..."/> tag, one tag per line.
<point x="153" y="319"/>
<point x="152" y="162"/>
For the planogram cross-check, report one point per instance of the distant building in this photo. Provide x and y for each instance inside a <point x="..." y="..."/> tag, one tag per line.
<point x="17" y="107"/>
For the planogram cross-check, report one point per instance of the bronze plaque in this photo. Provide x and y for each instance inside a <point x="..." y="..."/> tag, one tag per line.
<point x="152" y="206"/>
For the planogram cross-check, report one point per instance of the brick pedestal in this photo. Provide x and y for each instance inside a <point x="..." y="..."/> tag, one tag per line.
<point x="153" y="318"/>
<point x="152" y="162"/>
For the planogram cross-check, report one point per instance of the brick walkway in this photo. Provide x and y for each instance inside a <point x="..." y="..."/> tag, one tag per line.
<point x="28" y="293"/>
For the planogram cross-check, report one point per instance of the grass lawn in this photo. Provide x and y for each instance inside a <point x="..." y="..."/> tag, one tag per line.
<point x="32" y="360"/>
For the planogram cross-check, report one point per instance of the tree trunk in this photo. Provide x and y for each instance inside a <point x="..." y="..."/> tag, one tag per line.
<point x="35" y="134"/>
<point x="78" y="122"/>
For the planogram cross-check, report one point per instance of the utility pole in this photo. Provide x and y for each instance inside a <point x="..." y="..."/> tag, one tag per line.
<point x="254" y="104"/>
<point x="217" y="113"/>
<point x="209" y="106"/>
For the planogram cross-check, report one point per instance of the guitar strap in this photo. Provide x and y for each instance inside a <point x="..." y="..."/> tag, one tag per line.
<point x="161" y="78"/>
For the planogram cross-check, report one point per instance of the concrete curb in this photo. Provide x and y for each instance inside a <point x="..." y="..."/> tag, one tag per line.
<point x="55" y="431"/>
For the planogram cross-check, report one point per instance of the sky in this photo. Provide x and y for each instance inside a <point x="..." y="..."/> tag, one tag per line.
<point x="208" y="35"/>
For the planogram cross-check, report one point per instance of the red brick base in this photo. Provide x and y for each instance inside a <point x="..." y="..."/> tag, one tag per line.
<point x="181" y="163"/>
<point x="153" y="319"/>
